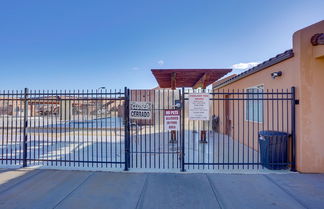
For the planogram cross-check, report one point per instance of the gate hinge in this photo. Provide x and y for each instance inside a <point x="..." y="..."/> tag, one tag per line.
<point x="297" y="101"/>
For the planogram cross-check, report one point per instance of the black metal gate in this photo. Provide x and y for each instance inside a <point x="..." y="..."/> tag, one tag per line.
<point x="151" y="146"/>
<point x="93" y="129"/>
<point x="230" y="138"/>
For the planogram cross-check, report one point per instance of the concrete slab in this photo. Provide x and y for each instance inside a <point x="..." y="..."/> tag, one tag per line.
<point x="10" y="178"/>
<point x="106" y="190"/>
<point x="174" y="191"/>
<point x="42" y="191"/>
<point x="250" y="191"/>
<point x="308" y="189"/>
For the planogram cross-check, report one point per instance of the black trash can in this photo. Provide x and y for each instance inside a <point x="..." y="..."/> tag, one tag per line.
<point x="274" y="149"/>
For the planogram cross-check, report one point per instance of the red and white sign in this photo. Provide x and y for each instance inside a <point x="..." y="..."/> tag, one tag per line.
<point x="172" y="120"/>
<point x="199" y="106"/>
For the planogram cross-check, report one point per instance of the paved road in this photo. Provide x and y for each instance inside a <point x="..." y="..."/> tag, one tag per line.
<point x="42" y="189"/>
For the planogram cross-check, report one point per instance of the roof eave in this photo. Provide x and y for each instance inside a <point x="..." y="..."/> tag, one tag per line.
<point x="272" y="61"/>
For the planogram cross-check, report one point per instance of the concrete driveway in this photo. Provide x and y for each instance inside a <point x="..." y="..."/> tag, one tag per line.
<point x="42" y="189"/>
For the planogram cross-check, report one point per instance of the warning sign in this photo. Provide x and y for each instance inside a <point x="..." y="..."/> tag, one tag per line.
<point x="172" y="120"/>
<point x="140" y="110"/>
<point x="199" y="106"/>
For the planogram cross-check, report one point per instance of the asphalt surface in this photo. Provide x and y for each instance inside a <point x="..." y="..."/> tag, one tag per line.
<point x="42" y="189"/>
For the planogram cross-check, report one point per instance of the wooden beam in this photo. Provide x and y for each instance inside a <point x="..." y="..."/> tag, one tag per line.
<point x="204" y="85"/>
<point x="173" y="81"/>
<point x="202" y="82"/>
<point x="317" y="39"/>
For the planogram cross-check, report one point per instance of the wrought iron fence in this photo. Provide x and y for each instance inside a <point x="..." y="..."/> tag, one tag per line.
<point x="93" y="129"/>
<point x="83" y="128"/>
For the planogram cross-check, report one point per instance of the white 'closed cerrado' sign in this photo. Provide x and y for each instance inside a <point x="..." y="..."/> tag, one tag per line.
<point x="172" y="120"/>
<point x="140" y="110"/>
<point x="198" y="106"/>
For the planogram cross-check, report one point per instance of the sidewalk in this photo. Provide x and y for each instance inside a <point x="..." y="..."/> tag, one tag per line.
<point x="42" y="189"/>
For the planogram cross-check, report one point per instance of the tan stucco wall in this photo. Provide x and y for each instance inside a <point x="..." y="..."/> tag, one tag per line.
<point x="305" y="71"/>
<point x="318" y="51"/>
<point x="310" y="112"/>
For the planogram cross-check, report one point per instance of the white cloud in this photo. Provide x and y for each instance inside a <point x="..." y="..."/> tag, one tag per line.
<point x="160" y="62"/>
<point x="244" y="66"/>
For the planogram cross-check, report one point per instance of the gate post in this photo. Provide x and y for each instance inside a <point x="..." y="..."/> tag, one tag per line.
<point x="182" y="129"/>
<point x="293" y="129"/>
<point x="127" y="129"/>
<point x="25" y="127"/>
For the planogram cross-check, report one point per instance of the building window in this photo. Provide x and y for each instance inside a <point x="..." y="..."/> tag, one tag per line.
<point x="254" y="104"/>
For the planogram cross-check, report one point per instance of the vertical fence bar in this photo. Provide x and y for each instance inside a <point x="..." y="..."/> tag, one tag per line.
<point x="16" y="129"/>
<point x="2" y="126"/>
<point x="154" y="127"/>
<point x="25" y="127"/>
<point x="127" y="130"/>
<point x="6" y="141"/>
<point x="293" y="129"/>
<point x="182" y="129"/>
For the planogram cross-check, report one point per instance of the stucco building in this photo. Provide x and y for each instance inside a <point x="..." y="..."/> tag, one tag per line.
<point x="301" y="67"/>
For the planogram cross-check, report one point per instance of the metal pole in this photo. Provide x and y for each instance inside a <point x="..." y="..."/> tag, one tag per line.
<point x="25" y="127"/>
<point x="293" y="129"/>
<point x="182" y="129"/>
<point x="127" y="129"/>
<point x="203" y="134"/>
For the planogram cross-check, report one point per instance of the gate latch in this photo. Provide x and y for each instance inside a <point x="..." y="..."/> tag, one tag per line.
<point x="177" y="104"/>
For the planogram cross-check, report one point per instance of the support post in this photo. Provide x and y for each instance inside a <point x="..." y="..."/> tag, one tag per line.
<point x="25" y="127"/>
<point x="293" y="129"/>
<point x="173" y="81"/>
<point x="173" y="136"/>
<point x="203" y="133"/>
<point x="182" y="130"/>
<point x="127" y="129"/>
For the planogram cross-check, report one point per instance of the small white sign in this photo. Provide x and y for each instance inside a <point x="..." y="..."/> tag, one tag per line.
<point x="172" y="120"/>
<point x="140" y="110"/>
<point x="199" y="106"/>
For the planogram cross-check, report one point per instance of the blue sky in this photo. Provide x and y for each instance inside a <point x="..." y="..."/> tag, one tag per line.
<point x="78" y="44"/>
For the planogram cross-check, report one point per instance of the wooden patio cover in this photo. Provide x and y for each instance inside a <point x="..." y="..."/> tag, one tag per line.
<point x="195" y="78"/>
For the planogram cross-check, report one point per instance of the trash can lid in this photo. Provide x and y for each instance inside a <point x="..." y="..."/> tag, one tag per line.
<point x="273" y="133"/>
